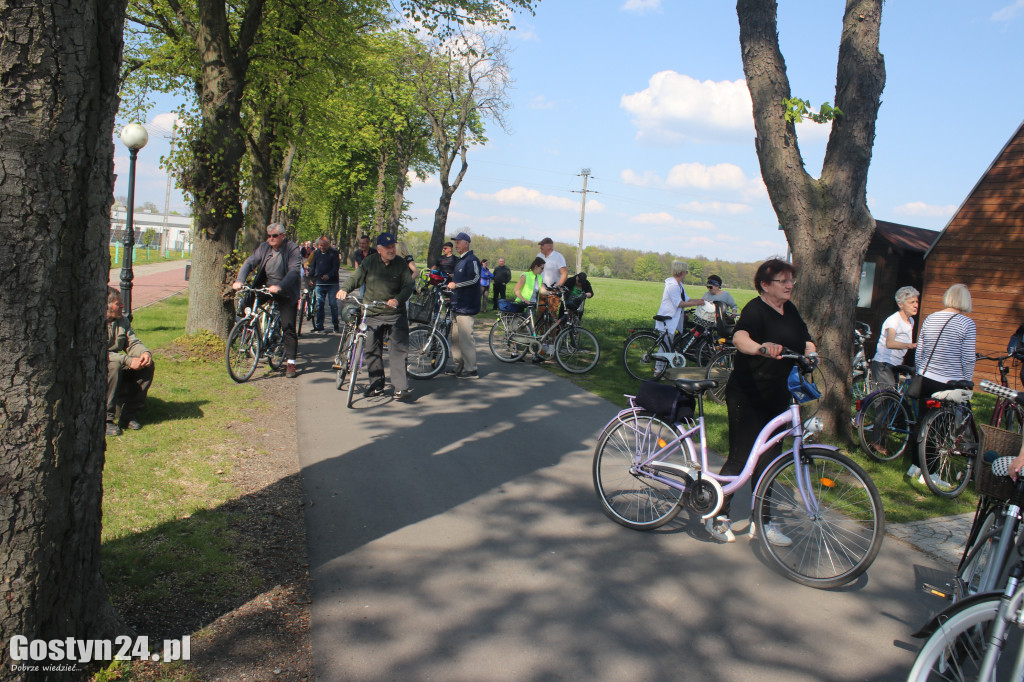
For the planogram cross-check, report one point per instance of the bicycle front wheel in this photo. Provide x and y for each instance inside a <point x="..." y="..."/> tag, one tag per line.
<point x="1011" y="418"/>
<point x="956" y="649"/>
<point x="637" y="356"/>
<point x="576" y="350"/>
<point x="501" y="341"/>
<point x="354" y="359"/>
<point x="883" y="426"/>
<point x="243" y="351"/>
<point x="428" y="353"/>
<point x="624" y="486"/>
<point x="943" y="454"/>
<point x="720" y="369"/>
<point x="834" y="521"/>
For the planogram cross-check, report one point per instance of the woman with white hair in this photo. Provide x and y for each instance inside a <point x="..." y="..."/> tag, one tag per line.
<point x="674" y="298"/>
<point x="895" y="339"/>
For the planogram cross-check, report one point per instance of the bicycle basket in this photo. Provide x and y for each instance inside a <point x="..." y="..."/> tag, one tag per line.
<point x="803" y="390"/>
<point x="420" y="308"/>
<point x="1007" y="444"/>
<point x="576" y="302"/>
<point x="665" y="401"/>
<point x="506" y="306"/>
<point x="704" y="314"/>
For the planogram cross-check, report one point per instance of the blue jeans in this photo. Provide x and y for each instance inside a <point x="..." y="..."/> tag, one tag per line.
<point x="327" y="291"/>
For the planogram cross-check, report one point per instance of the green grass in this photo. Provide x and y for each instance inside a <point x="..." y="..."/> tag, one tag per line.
<point x="143" y="256"/>
<point x="164" y="534"/>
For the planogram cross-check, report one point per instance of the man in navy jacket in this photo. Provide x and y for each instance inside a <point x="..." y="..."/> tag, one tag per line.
<point x="465" y="288"/>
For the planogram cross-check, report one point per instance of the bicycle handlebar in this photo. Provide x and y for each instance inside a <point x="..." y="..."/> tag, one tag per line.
<point x="1002" y="391"/>
<point x="807" y="363"/>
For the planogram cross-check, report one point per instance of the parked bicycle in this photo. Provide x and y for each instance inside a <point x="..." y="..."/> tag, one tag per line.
<point x="349" y="358"/>
<point x="646" y="469"/>
<point x="1006" y="414"/>
<point x="429" y="344"/>
<point x="948" y="440"/>
<point x="514" y="334"/>
<point x="256" y="335"/>
<point x="860" y="376"/>
<point x="970" y="639"/>
<point x="648" y="353"/>
<point x="886" y="418"/>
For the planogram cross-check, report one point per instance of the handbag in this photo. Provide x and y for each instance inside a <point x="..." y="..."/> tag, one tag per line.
<point x="917" y="383"/>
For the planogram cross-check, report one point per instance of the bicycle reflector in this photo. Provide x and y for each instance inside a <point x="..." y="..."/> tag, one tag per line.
<point x="803" y="390"/>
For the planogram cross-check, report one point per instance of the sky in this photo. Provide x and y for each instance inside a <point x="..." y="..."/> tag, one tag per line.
<point x="649" y="95"/>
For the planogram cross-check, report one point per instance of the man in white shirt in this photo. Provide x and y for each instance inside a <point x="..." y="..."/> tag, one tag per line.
<point x="554" y="275"/>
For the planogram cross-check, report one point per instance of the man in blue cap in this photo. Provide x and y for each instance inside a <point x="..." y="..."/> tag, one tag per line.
<point x="465" y="288"/>
<point x="386" y="278"/>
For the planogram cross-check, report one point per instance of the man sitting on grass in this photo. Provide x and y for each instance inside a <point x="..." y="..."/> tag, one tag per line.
<point x="129" y="369"/>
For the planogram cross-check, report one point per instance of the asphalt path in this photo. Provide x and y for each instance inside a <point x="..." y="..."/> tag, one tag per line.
<point x="458" y="537"/>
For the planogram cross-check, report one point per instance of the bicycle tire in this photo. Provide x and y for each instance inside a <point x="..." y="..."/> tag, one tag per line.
<point x="720" y="369"/>
<point x="940" y="441"/>
<point x="957" y="647"/>
<point x="632" y="499"/>
<point x="708" y="349"/>
<point x="577" y="350"/>
<point x="1011" y="418"/>
<point x="341" y="357"/>
<point x="275" y="349"/>
<point x="242" y="352"/>
<point x="300" y="316"/>
<point x="884" y="412"/>
<point x="428" y="353"/>
<point x="500" y="341"/>
<point x="839" y="541"/>
<point x="978" y="558"/>
<point x="353" y="368"/>
<point x="636" y="356"/>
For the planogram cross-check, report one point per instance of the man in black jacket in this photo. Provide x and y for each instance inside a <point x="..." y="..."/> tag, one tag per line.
<point x="324" y="272"/>
<point x="277" y="263"/>
<point x="465" y="288"/>
<point x="502" y="276"/>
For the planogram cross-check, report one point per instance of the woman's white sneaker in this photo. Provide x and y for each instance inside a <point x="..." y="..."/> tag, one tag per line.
<point x="720" y="529"/>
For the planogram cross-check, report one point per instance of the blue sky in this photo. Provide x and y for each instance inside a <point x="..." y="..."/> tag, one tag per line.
<point x="649" y="95"/>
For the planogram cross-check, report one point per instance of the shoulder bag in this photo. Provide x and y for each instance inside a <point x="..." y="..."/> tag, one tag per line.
<point x="917" y="383"/>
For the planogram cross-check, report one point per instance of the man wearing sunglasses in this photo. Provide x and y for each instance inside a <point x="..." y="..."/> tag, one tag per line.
<point x="716" y="294"/>
<point x="277" y="263"/>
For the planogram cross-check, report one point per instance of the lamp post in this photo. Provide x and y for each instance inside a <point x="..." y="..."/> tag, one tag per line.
<point x="135" y="137"/>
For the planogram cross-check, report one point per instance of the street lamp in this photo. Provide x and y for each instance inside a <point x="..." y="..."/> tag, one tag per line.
<point x="135" y="137"/>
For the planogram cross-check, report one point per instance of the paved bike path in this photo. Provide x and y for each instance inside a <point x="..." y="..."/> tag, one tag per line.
<point x="458" y="538"/>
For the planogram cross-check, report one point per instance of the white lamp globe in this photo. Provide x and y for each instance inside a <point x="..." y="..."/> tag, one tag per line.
<point x="134" y="136"/>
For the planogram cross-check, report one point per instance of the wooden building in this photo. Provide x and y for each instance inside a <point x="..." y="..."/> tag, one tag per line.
<point x="982" y="246"/>
<point x="894" y="259"/>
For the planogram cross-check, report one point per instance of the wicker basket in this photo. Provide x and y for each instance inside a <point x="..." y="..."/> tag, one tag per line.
<point x="1007" y="444"/>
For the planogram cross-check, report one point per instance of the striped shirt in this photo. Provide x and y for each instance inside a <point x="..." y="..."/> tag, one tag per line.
<point x="954" y="358"/>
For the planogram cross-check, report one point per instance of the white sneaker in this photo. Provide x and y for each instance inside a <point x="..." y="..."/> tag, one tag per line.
<point x="775" y="536"/>
<point x="936" y="481"/>
<point x="914" y="471"/>
<point x="720" y="529"/>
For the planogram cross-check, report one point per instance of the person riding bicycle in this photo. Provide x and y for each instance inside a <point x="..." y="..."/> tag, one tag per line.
<point x="323" y="272"/>
<point x="579" y="289"/>
<point x="277" y="263"/>
<point x="387" y="278"/>
<point x="757" y="390"/>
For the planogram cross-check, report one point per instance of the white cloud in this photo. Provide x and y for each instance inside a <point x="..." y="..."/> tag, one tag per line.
<point x="641" y="6"/>
<point x="522" y="196"/>
<point x="676" y="107"/>
<point x="540" y="102"/>
<point x="722" y="176"/>
<point x="164" y="124"/>
<point x="715" y="207"/>
<point x="1009" y="12"/>
<point x="921" y="209"/>
<point x="667" y="219"/>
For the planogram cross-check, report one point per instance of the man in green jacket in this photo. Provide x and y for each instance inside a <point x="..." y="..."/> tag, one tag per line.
<point x="389" y="279"/>
<point x="129" y="369"/>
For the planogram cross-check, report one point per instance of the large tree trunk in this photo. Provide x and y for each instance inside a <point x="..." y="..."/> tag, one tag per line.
<point x="444" y="203"/>
<point x="260" y="205"/>
<point x="59" y="67"/>
<point x="826" y="221"/>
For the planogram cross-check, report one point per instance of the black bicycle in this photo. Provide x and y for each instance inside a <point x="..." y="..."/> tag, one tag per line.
<point x="648" y="353"/>
<point x="256" y="335"/>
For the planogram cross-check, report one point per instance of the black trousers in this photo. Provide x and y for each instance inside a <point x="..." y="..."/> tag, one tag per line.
<point x="288" y="308"/>
<point x="499" y="293"/>
<point x="746" y="419"/>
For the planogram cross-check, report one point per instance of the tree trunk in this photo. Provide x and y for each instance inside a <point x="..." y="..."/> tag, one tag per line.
<point x="826" y="221"/>
<point x="284" y="184"/>
<point x="444" y="203"/>
<point x="398" y="196"/>
<point x="260" y="204"/>
<point x="59" y="66"/>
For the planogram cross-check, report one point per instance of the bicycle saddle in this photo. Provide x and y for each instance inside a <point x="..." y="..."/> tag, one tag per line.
<point x="953" y="395"/>
<point x="662" y="318"/>
<point x="692" y="387"/>
<point x="905" y="370"/>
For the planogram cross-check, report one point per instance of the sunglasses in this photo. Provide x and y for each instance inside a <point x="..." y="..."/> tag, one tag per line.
<point x="278" y="234"/>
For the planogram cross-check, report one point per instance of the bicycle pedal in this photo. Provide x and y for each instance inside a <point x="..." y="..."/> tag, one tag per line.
<point x="336" y="366"/>
<point x="945" y="592"/>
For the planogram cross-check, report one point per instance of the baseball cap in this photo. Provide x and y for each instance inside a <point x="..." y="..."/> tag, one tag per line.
<point x="448" y="244"/>
<point x="462" y="236"/>
<point x="546" y="240"/>
<point x="386" y="239"/>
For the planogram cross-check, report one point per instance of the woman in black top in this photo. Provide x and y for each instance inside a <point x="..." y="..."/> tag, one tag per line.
<point x="757" y="390"/>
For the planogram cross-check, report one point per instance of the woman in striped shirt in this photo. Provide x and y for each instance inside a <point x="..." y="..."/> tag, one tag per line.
<point x="949" y="358"/>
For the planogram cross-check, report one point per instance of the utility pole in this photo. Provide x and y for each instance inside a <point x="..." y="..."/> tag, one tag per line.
<point x="583" y="209"/>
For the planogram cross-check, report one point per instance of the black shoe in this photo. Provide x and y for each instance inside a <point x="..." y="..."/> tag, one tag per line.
<point x="289" y="370"/>
<point x="133" y="424"/>
<point x="404" y="396"/>
<point x="113" y="429"/>
<point x="451" y="372"/>
<point x="468" y="375"/>
<point x="375" y="388"/>
<point x="317" y="330"/>
<point x="337" y="329"/>
<point x="537" y="359"/>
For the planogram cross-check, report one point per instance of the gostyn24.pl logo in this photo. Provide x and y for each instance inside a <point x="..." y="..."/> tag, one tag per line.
<point x="35" y="655"/>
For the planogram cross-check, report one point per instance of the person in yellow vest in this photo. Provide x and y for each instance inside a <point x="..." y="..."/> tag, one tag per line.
<point x="530" y="288"/>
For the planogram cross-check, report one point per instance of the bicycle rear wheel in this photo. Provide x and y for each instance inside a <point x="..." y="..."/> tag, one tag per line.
<point x="956" y="649"/>
<point x="300" y="315"/>
<point x="883" y="426"/>
<point x="500" y="340"/>
<point x="428" y="353"/>
<point x="626" y="491"/>
<point x="275" y="348"/>
<point x="637" y="356"/>
<point x="576" y="350"/>
<point x="720" y="369"/>
<point x="355" y="358"/>
<point x="839" y="538"/>
<point x="943" y="454"/>
<point x="243" y="350"/>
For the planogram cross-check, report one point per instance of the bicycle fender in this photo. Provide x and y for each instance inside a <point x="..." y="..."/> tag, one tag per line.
<point x="929" y="628"/>
<point x="787" y="453"/>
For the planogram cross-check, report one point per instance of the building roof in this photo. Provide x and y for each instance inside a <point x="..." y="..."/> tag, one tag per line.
<point x="905" y="237"/>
